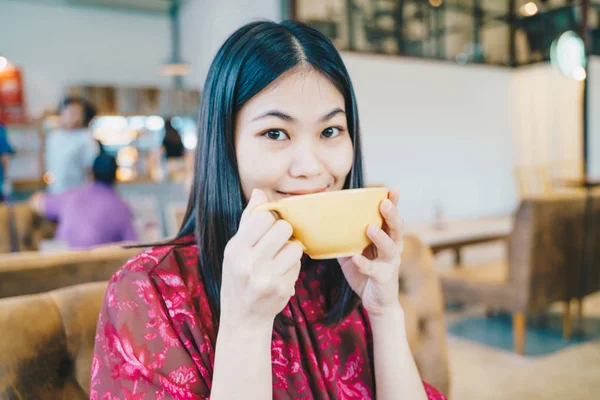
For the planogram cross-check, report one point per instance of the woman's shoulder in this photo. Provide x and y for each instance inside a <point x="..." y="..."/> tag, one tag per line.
<point x="165" y="261"/>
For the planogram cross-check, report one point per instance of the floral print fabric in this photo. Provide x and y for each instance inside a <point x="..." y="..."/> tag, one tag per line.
<point x="155" y="337"/>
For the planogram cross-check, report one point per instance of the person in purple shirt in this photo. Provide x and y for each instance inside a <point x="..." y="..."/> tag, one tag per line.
<point x="90" y="215"/>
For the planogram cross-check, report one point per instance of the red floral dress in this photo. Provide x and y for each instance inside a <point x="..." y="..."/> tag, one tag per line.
<point x="156" y="340"/>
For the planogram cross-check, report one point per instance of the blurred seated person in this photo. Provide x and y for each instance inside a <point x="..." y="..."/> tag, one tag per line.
<point x="71" y="149"/>
<point x="91" y="215"/>
<point x="172" y="143"/>
<point x="5" y="152"/>
<point x="174" y="152"/>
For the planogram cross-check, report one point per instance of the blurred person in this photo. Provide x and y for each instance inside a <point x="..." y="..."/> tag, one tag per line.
<point x="71" y="149"/>
<point x="172" y="153"/>
<point x="6" y="151"/>
<point x="91" y="215"/>
<point x="172" y="143"/>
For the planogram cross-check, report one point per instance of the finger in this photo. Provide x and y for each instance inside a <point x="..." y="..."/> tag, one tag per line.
<point x="386" y="247"/>
<point x="343" y="260"/>
<point x="393" y="221"/>
<point x="288" y="257"/>
<point x="273" y="240"/>
<point x="364" y="265"/>
<point x="254" y="227"/>
<point x="257" y="197"/>
<point x="290" y="278"/>
<point x="350" y="269"/>
<point x="394" y="196"/>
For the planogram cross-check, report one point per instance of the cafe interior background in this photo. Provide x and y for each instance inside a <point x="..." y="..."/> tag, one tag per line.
<point x="484" y="113"/>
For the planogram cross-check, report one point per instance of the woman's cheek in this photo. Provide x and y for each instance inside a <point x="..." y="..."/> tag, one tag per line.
<point x="340" y="159"/>
<point x="267" y="168"/>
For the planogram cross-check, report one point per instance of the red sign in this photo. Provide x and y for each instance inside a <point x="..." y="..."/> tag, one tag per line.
<point x="12" y="101"/>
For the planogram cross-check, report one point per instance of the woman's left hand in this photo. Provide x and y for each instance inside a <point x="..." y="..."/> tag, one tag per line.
<point x="374" y="274"/>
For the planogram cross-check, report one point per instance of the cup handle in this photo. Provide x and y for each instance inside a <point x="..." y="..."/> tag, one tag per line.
<point x="275" y="207"/>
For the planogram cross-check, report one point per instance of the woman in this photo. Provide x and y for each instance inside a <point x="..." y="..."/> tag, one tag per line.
<point x="233" y="310"/>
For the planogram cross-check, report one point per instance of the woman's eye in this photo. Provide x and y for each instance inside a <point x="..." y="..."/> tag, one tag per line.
<point x="275" y="134"/>
<point x="331" y="132"/>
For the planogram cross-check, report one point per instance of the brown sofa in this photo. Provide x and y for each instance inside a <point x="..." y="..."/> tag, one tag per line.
<point x="47" y="351"/>
<point x="544" y="258"/>
<point x="34" y="272"/>
<point x="47" y="343"/>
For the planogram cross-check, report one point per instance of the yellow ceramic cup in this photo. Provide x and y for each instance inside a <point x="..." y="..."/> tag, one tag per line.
<point x="331" y="224"/>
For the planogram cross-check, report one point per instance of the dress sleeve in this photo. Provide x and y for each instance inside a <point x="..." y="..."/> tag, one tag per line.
<point x="433" y="393"/>
<point x="141" y="349"/>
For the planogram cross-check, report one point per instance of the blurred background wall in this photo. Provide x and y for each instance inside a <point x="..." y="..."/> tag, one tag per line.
<point x="58" y="46"/>
<point x="426" y="123"/>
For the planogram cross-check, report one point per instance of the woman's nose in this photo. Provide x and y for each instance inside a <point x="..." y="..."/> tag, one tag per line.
<point x="306" y="161"/>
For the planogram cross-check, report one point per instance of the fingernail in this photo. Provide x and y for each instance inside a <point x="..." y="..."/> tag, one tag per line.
<point x="387" y="205"/>
<point x="372" y="229"/>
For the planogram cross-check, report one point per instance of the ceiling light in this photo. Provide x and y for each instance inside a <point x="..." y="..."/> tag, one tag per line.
<point x="175" y="69"/>
<point x="529" y="9"/>
<point x="567" y="53"/>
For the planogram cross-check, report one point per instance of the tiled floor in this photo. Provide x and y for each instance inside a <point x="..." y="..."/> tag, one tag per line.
<point x="482" y="372"/>
<point x="479" y="372"/>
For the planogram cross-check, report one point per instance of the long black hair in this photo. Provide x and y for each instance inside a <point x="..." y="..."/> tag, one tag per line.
<point x="250" y="59"/>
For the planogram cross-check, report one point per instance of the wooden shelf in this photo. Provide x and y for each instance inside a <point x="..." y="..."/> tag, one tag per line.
<point x="24" y="184"/>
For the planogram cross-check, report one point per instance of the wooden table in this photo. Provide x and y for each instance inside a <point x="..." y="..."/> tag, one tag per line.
<point x="457" y="234"/>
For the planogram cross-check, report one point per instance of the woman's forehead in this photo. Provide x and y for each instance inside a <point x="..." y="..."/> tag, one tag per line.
<point x="302" y="91"/>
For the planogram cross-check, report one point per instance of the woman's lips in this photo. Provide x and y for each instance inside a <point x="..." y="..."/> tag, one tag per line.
<point x="301" y="192"/>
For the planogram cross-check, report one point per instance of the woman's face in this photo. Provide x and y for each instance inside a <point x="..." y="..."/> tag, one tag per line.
<point x="292" y="137"/>
<point x="71" y="116"/>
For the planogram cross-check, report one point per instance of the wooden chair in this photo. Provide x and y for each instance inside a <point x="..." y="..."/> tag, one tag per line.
<point x="21" y="229"/>
<point x="420" y="295"/>
<point x="6" y="229"/>
<point x="544" y="261"/>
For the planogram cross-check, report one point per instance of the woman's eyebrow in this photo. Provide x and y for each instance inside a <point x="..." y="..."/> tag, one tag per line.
<point x="276" y="114"/>
<point x="288" y="118"/>
<point x="332" y="114"/>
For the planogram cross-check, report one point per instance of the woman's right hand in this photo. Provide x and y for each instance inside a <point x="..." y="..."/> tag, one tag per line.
<point x="260" y="267"/>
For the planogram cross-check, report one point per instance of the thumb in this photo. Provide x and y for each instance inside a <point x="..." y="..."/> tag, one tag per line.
<point x="257" y="197"/>
<point x="364" y="265"/>
<point x="350" y="271"/>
